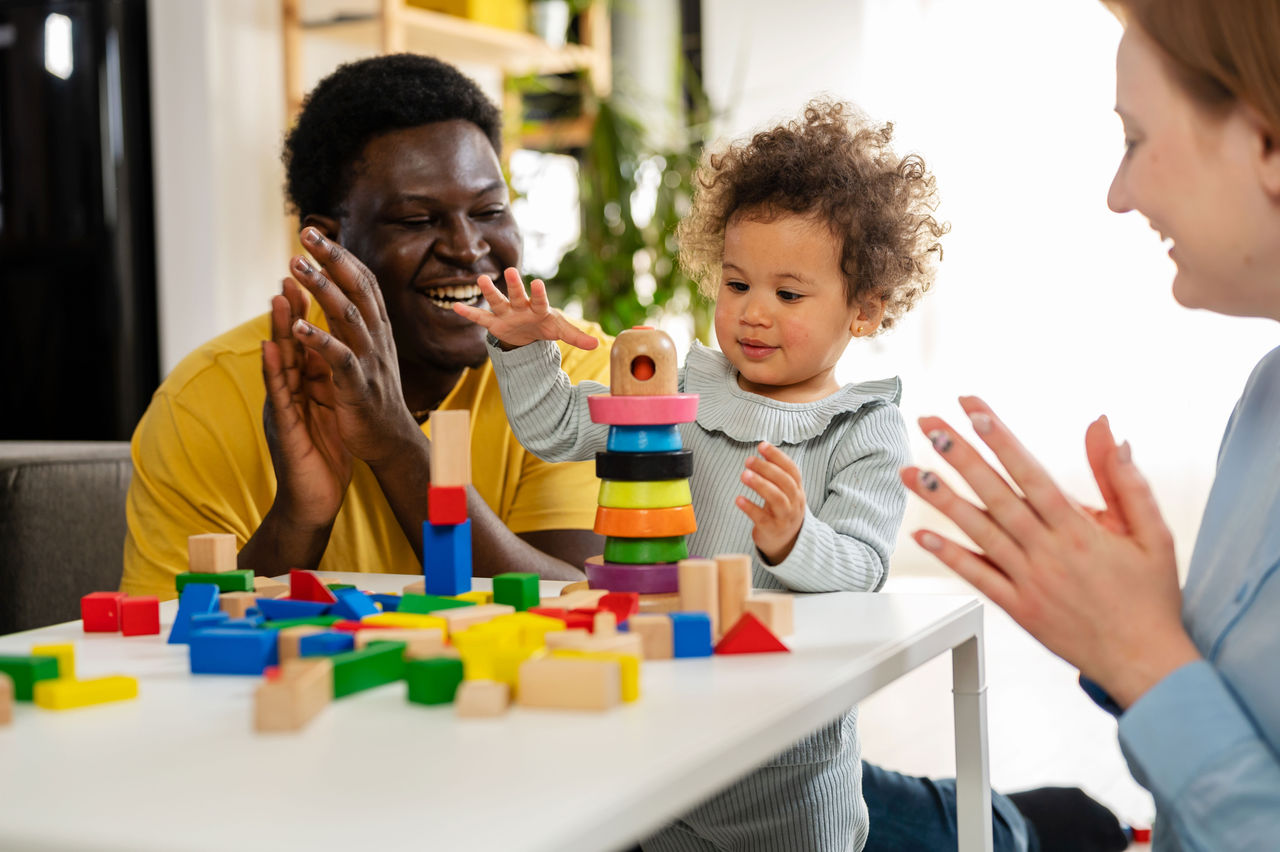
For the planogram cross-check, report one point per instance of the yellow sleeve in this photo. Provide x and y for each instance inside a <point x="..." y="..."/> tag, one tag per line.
<point x="563" y="496"/>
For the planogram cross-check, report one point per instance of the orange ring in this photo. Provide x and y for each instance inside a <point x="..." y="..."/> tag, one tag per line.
<point x="645" y="523"/>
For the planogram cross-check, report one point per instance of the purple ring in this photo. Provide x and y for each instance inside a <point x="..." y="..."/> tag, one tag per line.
<point x="662" y="578"/>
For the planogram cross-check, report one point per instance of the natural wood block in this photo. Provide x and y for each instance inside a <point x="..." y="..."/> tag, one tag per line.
<point x="288" y="703"/>
<point x="573" y="637"/>
<point x="580" y="640"/>
<point x="418" y="587"/>
<point x="699" y="589"/>
<point x="287" y="640"/>
<point x="654" y="631"/>
<point x="211" y="553"/>
<point x="6" y="699"/>
<point x="265" y="587"/>
<point x="460" y="618"/>
<point x="733" y="576"/>
<point x="775" y="609"/>
<point x="235" y="604"/>
<point x="570" y="683"/>
<point x="629" y="668"/>
<point x="643" y="362"/>
<point x="478" y="699"/>
<point x="419" y="644"/>
<point x="575" y="587"/>
<point x="659" y="603"/>
<point x="450" y="447"/>
<point x="604" y="624"/>
<point x="583" y="599"/>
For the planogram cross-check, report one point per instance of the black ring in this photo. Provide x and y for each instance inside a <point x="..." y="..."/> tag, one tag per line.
<point x="645" y="467"/>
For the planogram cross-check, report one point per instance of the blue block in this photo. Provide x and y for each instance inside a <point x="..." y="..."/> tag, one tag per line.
<point x="218" y="650"/>
<point x="326" y="644"/>
<point x="644" y="439"/>
<point x="353" y="604"/>
<point x="253" y="612"/>
<point x="196" y="599"/>
<point x="282" y="609"/>
<point x="690" y="634"/>
<point x="446" y="558"/>
<point x="390" y="603"/>
<point x="246" y="623"/>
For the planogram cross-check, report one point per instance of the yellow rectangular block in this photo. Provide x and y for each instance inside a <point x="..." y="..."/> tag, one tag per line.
<point x="506" y="662"/>
<point x="532" y="628"/>
<point x="63" y="694"/>
<point x="478" y="598"/>
<point x="567" y="683"/>
<point x="630" y="668"/>
<point x="407" y="620"/>
<point x="66" y="655"/>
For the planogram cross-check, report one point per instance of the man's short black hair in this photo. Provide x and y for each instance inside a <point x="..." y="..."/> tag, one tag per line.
<point x="362" y="100"/>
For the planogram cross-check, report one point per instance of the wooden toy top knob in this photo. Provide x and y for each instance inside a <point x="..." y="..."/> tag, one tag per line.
<point x="643" y="363"/>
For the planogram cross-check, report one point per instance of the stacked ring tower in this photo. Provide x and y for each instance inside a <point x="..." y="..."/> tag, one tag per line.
<point x="645" y="505"/>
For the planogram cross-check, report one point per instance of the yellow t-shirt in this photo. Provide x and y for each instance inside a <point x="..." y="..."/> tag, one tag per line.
<point x="201" y="465"/>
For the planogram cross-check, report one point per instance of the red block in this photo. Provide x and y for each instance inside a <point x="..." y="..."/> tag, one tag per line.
<point x="622" y="604"/>
<point x="446" y="504"/>
<point x="140" y="616"/>
<point x="306" y="586"/>
<point x="353" y="626"/>
<point x="101" y="612"/>
<point x="585" y="618"/>
<point x="550" y="612"/>
<point x="750" y="636"/>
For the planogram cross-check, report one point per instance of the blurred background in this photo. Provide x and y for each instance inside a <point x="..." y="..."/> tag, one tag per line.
<point x="141" y="210"/>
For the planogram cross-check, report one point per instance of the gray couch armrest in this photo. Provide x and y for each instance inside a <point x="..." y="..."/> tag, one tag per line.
<point x="62" y="527"/>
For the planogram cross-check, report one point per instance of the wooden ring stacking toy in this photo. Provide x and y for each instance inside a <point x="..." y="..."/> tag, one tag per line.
<point x="644" y="439"/>
<point x="659" y="579"/>
<point x="642" y="551"/>
<point x="643" y="363"/>
<point x="643" y="410"/>
<point x="644" y="495"/>
<point x="644" y="467"/>
<point x="645" y="523"/>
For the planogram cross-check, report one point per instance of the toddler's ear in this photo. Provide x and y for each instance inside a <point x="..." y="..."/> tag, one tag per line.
<point x="867" y="319"/>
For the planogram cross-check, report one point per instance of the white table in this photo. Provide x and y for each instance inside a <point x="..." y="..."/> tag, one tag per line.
<point x="180" y="767"/>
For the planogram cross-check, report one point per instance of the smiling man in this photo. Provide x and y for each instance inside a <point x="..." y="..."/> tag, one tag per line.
<point x="393" y="170"/>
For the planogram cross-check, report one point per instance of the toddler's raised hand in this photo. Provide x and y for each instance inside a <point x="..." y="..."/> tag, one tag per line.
<point x="776" y="478"/>
<point x="517" y="319"/>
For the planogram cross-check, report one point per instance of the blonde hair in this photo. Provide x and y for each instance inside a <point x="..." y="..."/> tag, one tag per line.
<point x="1222" y="52"/>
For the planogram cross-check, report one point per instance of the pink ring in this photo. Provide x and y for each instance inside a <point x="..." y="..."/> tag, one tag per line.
<point x="616" y="410"/>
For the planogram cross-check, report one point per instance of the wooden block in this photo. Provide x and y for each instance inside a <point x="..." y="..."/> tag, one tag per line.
<point x="691" y="634"/>
<point x="663" y="494"/>
<point x="480" y="699"/>
<point x="699" y="589"/>
<point x="462" y="617"/>
<point x="733" y="576"/>
<point x="580" y="640"/>
<point x="446" y="558"/>
<point x="575" y="587"/>
<point x="26" y="672"/>
<point x="603" y="624"/>
<point x="140" y="616"/>
<point x="235" y="604"/>
<point x="476" y="597"/>
<point x="645" y="523"/>
<point x="659" y="603"/>
<point x="306" y="586"/>
<point x="584" y="599"/>
<point x="379" y="664"/>
<point x="211" y="553"/>
<point x="265" y="587"/>
<point x="100" y="612"/>
<point x="450" y="447"/>
<point x="417" y="587"/>
<point x="654" y="631"/>
<point x="643" y="410"/>
<point x="643" y="362"/>
<point x="629" y="668"/>
<point x="419" y="644"/>
<point x="6" y="699"/>
<point x="568" y="683"/>
<point x="407" y="620"/>
<point x="433" y="681"/>
<point x="226" y="581"/>
<point x="64" y="653"/>
<point x="749" y="636"/>
<point x="517" y="589"/>
<point x="63" y="694"/>
<point x="446" y="504"/>
<point x="303" y="689"/>
<point x="287" y="640"/>
<point x="573" y="637"/>
<point x="775" y="610"/>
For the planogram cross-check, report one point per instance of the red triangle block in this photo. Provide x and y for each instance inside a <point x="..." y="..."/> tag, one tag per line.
<point x="750" y="636"/>
<point x="306" y="586"/>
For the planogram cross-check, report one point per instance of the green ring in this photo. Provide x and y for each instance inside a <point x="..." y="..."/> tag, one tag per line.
<point x="645" y="551"/>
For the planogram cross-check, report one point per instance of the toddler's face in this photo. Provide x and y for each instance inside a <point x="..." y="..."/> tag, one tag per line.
<point x="781" y="317"/>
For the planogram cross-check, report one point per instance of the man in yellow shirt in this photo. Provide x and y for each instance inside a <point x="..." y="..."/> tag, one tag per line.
<point x="394" y="172"/>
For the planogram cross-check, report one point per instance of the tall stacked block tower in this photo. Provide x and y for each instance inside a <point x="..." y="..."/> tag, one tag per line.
<point x="645" y="505"/>
<point x="446" y="534"/>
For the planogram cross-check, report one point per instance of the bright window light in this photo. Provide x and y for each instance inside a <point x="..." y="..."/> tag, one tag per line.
<point x="57" y="45"/>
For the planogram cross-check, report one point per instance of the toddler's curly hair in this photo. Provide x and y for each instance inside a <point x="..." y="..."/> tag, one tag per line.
<point x="836" y="165"/>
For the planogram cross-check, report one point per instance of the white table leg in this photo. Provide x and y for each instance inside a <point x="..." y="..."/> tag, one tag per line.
<point x="973" y="778"/>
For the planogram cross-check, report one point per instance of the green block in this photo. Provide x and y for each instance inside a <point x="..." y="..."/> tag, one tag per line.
<point x="355" y="671"/>
<point x="25" y="671"/>
<point x="316" y="620"/>
<point x="423" y="604"/>
<point x="227" y="581"/>
<point x="333" y="587"/>
<point x="645" y="551"/>
<point x="433" y="681"/>
<point x="517" y="590"/>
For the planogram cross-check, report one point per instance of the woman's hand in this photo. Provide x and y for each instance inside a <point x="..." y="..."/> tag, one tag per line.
<point x="522" y="319"/>
<point x="776" y="479"/>
<point x="312" y="466"/>
<point x="1098" y="588"/>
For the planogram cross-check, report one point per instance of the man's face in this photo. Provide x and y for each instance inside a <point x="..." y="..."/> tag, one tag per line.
<point x="428" y="212"/>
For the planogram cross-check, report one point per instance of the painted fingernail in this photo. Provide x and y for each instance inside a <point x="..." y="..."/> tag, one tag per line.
<point x="301" y="265"/>
<point x="929" y="480"/>
<point x="941" y="440"/>
<point x="929" y="541"/>
<point x="981" y="422"/>
<point x="1124" y="453"/>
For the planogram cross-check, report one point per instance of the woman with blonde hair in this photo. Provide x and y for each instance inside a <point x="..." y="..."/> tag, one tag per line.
<point x="1193" y="673"/>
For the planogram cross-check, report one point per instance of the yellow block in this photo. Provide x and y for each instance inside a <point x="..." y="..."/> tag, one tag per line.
<point x="64" y="694"/>
<point x="66" y="655"/>
<point x="477" y="598"/>
<point x="661" y="494"/>
<point x="629" y="663"/>
<point x="531" y="628"/>
<point x="506" y="663"/>
<point x="507" y="14"/>
<point x="410" y="620"/>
